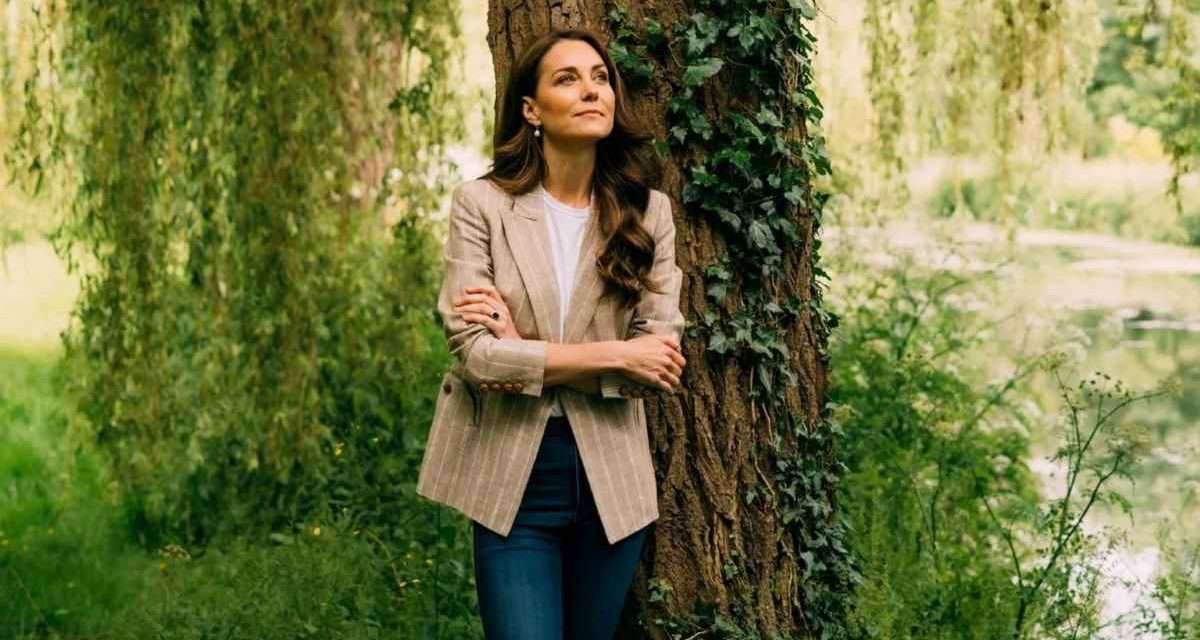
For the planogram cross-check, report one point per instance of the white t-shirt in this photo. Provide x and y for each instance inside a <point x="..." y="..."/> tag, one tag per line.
<point x="566" y="225"/>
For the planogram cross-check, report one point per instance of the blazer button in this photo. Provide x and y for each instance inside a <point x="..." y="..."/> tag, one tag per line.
<point x="446" y="387"/>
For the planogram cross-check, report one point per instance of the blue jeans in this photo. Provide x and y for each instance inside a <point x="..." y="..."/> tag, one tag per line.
<point x="555" y="576"/>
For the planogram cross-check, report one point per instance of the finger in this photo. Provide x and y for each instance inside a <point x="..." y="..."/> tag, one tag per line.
<point x="678" y="358"/>
<point x="469" y="298"/>
<point x="667" y="381"/>
<point x="669" y="340"/>
<point x="486" y="321"/>
<point x="487" y="292"/>
<point x="479" y="307"/>
<point x="485" y="289"/>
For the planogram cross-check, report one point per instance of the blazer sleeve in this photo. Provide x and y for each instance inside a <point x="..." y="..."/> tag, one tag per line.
<point x="481" y="356"/>
<point x="656" y="313"/>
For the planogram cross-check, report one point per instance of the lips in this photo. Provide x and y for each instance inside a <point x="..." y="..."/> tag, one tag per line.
<point x="589" y="113"/>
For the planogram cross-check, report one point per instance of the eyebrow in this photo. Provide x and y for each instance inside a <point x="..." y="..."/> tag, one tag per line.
<point x="574" y="69"/>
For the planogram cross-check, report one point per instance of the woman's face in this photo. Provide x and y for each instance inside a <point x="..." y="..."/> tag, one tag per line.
<point x="574" y="101"/>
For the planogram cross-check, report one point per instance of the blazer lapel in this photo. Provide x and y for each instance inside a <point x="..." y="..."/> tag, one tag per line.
<point x="529" y="240"/>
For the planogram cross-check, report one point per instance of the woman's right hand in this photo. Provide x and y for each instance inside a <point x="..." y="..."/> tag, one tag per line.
<point x="654" y="360"/>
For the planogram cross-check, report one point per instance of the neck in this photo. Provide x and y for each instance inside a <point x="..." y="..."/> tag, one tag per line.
<point x="569" y="173"/>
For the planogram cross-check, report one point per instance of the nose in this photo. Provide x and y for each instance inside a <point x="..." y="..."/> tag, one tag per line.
<point x="589" y="89"/>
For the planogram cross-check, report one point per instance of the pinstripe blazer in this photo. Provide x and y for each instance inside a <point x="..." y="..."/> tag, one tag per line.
<point x="492" y="407"/>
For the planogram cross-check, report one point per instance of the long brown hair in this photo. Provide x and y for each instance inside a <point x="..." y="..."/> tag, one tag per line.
<point x="621" y="178"/>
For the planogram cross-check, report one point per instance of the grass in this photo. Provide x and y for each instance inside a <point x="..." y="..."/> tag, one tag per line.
<point x="65" y="556"/>
<point x="70" y="566"/>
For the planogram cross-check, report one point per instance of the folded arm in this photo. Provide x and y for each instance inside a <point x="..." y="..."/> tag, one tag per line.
<point x="656" y="313"/>
<point x="482" y="358"/>
<point x="527" y="366"/>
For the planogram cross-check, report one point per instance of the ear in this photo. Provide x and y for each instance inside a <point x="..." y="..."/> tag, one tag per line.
<point x="530" y="111"/>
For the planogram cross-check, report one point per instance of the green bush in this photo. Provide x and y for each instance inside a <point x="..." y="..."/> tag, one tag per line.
<point x="241" y="325"/>
<point x="979" y="198"/>
<point x="902" y="379"/>
<point x="955" y="538"/>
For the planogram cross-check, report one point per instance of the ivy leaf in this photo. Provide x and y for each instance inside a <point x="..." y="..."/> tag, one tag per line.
<point x="655" y="35"/>
<point x="741" y="159"/>
<point x="702" y="177"/>
<point x="718" y="343"/>
<point x="745" y="124"/>
<point x="768" y="117"/>
<point x="805" y="7"/>
<point x="788" y="228"/>
<point x="717" y="291"/>
<point x="730" y="218"/>
<point x="760" y="234"/>
<point x="695" y="75"/>
<point x="702" y="34"/>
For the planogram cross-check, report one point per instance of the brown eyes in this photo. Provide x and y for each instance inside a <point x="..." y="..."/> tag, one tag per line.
<point x="561" y="79"/>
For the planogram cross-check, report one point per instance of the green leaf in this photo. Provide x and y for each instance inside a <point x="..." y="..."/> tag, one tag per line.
<point x="695" y="75"/>
<point x="805" y="7"/>
<point x="717" y="291"/>
<point x="768" y="117"/>
<point x="760" y="234"/>
<point x="795" y="195"/>
<point x="718" y="343"/>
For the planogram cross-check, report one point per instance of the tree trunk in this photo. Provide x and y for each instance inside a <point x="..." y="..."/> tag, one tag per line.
<point x="712" y="442"/>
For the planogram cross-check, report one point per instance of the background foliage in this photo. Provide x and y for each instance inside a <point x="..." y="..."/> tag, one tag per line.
<point x="237" y="333"/>
<point x="250" y="190"/>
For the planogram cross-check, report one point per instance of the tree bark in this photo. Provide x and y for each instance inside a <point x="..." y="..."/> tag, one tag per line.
<point x="710" y="442"/>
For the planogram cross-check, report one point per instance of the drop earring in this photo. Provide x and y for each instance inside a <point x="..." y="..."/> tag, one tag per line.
<point x="537" y="131"/>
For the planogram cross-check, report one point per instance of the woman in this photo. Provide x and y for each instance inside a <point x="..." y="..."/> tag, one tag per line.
<point x="561" y="306"/>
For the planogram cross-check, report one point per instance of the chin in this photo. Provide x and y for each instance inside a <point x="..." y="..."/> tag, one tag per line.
<point x="596" y="133"/>
<point x="588" y="136"/>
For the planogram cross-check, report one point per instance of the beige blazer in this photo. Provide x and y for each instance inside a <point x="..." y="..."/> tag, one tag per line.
<point x="492" y="407"/>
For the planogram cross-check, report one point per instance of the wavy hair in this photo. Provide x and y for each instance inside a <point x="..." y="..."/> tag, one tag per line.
<point x="621" y="178"/>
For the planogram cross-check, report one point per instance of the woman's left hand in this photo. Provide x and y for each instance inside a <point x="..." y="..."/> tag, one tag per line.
<point x="483" y="305"/>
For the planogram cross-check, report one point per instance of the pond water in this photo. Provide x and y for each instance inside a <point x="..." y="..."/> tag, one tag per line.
<point x="1133" y="309"/>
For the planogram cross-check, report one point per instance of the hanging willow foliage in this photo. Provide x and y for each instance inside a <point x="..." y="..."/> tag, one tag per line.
<point x="240" y="327"/>
<point x="997" y="77"/>
<point x="1151" y="75"/>
<point x="1010" y="79"/>
<point x="985" y="74"/>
